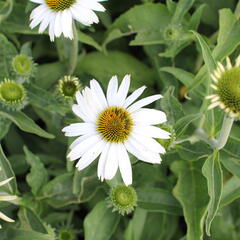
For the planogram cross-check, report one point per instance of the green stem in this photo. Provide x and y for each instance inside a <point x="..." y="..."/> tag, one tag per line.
<point x="74" y="52"/>
<point x="225" y="132"/>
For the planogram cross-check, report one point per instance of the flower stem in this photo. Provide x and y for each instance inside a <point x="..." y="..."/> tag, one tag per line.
<point x="225" y="131"/>
<point x="74" y="52"/>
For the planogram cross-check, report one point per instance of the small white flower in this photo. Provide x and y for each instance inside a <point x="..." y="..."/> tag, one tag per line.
<point x="59" y="15"/>
<point x="114" y="125"/>
<point x="6" y="198"/>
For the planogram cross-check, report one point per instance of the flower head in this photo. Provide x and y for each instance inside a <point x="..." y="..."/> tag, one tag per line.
<point x="6" y="198"/>
<point x="23" y="67"/>
<point x="123" y="199"/>
<point x="113" y="126"/>
<point x="68" y="86"/>
<point x="226" y="85"/>
<point x="12" y="95"/>
<point x="59" y="15"/>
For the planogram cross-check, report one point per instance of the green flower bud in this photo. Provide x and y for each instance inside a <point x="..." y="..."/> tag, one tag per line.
<point x="23" y="68"/>
<point x="123" y="199"/>
<point x="12" y="95"/>
<point x="66" y="234"/>
<point x="68" y="86"/>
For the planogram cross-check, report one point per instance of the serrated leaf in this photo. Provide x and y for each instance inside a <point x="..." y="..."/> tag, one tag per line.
<point x="38" y="175"/>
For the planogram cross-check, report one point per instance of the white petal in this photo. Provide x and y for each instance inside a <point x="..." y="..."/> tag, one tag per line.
<point x="66" y="21"/>
<point x="111" y="165"/>
<point x="143" y="102"/>
<point x="7" y="198"/>
<point x="83" y="146"/>
<point x="84" y="107"/>
<point x="99" y="93"/>
<point x="148" y="143"/>
<point x="149" y="116"/>
<point x="93" y="5"/>
<point x="134" y="96"/>
<point x="5" y="218"/>
<point x="137" y="149"/>
<point x="58" y="24"/>
<point x="37" y="1"/>
<point x="79" y="139"/>
<point x="78" y="111"/>
<point x="112" y="91"/>
<point x="125" y="166"/>
<point x="151" y="131"/>
<point x="76" y="129"/>
<point x="89" y="156"/>
<point x="102" y="161"/>
<point x="123" y="90"/>
<point x="5" y="181"/>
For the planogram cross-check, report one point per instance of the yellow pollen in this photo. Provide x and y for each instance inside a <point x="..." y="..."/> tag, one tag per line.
<point x="59" y="5"/>
<point x="114" y="124"/>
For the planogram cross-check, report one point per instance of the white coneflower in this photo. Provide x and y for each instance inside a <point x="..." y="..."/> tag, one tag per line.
<point x="6" y="198"/>
<point x="226" y="85"/>
<point x="59" y="15"/>
<point x="114" y="125"/>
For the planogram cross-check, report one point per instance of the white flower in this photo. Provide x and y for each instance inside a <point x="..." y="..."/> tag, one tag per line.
<point x="114" y="125"/>
<point x="226" y="82"/>
<point x="59" y="15"/>
<point x="6" y="198"/>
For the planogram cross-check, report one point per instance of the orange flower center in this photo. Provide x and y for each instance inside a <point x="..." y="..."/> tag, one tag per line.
<point x="59" y="5"/>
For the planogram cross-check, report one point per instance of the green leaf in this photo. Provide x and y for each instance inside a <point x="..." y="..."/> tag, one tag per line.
<point x="183" y="76"/>
<point x="49" y="73"/>
<point x="231" y="191"/>
<point x="58" y="192"/>
<point x="45" y="100"/>
<point x="21" y="234"/>
<point x="183" y="123"/>
<point x="231" y="164"/>
<point x="85" y="183"/>
<point x="193" y="151"/>
<point x="206" y="52"/>
<point x="5" y="10"/>
<point x="182" y="8"/>
<point x="85" y="38"/>
<point x="100" y="223"/>
<point x="229" y="34"/>
<point x="213" y="173"/>
<point x="4" y="126"/>
<point x="25" y="123"/>
<point x="145" y="20"/>
<point x="171" y="106"/>
<point x="7" y="52"/>
<point x="29" y="219"/>
<point x="103" y="67"/>
<point x="196" y="17"/>
<point x="38" y="175"/>
<point x="191" y="191"/>
<point x="158" y="200"/>
<point x="7" y="172"/>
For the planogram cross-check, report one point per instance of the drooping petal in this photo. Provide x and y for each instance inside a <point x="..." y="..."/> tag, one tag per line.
<point x="111" y="164"/>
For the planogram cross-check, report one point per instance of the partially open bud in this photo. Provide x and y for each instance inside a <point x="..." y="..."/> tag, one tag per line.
<point x="68" y="86"/>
